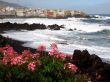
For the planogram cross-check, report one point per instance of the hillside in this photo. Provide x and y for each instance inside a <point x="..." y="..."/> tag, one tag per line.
<point x="3" y="3"/>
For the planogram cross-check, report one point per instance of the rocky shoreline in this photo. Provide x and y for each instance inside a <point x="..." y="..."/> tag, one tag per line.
<point x="14" y="26"/>
<point x="88" y="64"/>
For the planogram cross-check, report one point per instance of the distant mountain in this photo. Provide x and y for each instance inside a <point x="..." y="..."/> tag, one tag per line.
<point x="3" y="3"/>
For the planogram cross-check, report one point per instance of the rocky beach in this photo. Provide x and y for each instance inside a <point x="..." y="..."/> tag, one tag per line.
<point x="88" y="64"/>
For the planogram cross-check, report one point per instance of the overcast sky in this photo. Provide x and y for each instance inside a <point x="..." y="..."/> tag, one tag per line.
<point x="89" y="6"/>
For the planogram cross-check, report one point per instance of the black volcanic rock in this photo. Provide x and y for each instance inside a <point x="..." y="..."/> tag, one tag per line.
<point x="2" y="41"/>
<point x="86" y="61"/>
<point x="81" y="59"/>
<point x="91" y="64"/>
<point x="104" y="73"/>
<point x="70" y="29"/>
<point x="55" y="27"/>
<point x="17" y="45"/>
<point x="14" y="26"/>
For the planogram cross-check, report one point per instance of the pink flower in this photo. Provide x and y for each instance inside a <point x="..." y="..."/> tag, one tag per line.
<point x="36" y="56"/>
<point x="57" y="54"/>
<point x="41" y="48"/>
<point x="9" y="52"/>
<point x="5" y="60"/>
<point x="27" y="53"/>
<point x="62" y="56"/>
<point x="32" y="66"/>
<point x="53" y="52"/>
<point x="17" y="61"/>
<point x="54" y="46"/>
<point x="70" y="67"/>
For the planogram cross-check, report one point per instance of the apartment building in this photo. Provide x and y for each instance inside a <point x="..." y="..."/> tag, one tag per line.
<point x="39" y="12"/>
<point x="20" y="12"/>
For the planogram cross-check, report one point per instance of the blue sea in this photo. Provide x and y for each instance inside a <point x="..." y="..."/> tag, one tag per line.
<point x="104" y="19"/>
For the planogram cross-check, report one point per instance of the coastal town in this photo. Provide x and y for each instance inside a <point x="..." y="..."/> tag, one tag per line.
<point x="39" y="12"/>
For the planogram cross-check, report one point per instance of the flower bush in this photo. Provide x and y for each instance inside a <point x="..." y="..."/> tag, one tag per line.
<point x="36" y="67"/>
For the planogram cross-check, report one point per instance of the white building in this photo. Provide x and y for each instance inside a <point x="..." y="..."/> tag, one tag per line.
<point x="72" y="12"/>
<point x="40" y="13"/>
<point x="10" y="9"/>
<point x="20" y="12"/>
<point x="60" y="13"/>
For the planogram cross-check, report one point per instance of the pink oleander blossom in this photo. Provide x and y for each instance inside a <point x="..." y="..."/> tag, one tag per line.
<point x="54" y="46"/>
<point x="41" y="48"/>
<point x="62" y="55"/>
<point x="5" y="60"/>
<point x="17" y="60"/>
<point x="32" y="66"/>
<point x="57" y="54"/>
<point x="27" y="53"/>
<point x="36" y="56"/>
<point x="9" y="52"/>
<point x="53" y="52"/>
<point x="71" y="67"/>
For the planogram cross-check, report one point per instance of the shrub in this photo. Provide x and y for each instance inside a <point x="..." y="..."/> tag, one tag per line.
<point x="36" y="67"/>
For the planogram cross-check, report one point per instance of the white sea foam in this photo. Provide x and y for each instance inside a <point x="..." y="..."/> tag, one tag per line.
<point x="99" y="17"/>
<point x="46" y="37"/>
<point x="102" y="52"/>
<point x="73" y="23"/>
<point x="70" y="23"/>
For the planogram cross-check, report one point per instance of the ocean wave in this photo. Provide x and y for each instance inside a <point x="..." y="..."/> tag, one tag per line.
<point x="102" y="32"/>
<point x="105" y="31"/>
<point x="70" y="23"/>
<point x="102" y="52"/>
<point x="67" y="45"/>
<point x="100" y="17"/>
<point x="90" y="36"/>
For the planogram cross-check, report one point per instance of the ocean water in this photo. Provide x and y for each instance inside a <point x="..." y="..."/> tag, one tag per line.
<point x="92" y="34"/>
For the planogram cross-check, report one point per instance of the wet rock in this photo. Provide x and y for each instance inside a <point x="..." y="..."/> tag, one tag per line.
<point x="3" y="41"/>
<point x="14" y="26"/>
<point x="86" y="61"/>
<point x="98" y="70"/>
<point x="81" y="59"/>
<point x="17" y="45"/>
<point x="55" y="27"/>
<point x="104" y="73"/>
<point x="75" y="29"/>
<point x="70" y="29"/>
